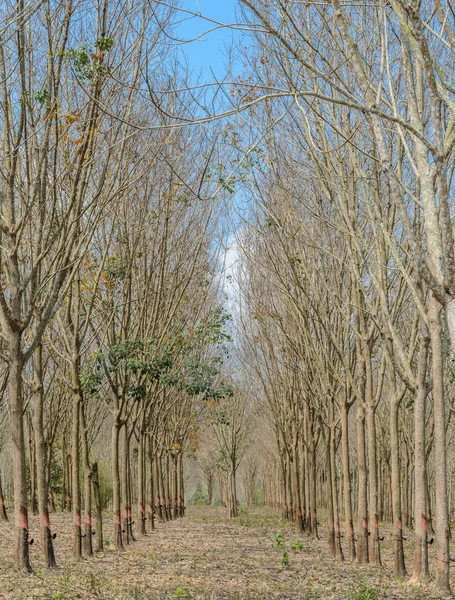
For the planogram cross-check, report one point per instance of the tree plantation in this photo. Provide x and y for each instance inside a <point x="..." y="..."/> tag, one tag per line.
<point x="227" y="299"/>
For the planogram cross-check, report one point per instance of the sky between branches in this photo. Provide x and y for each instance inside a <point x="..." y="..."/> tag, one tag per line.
<point x="209" y="52"/>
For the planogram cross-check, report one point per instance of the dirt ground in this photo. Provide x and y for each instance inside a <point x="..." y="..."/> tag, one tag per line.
<point x="204" y="556"/>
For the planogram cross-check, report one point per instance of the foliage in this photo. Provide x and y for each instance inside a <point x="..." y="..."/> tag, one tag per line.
<point x="115" y="269"/>
<point x="366" y="593"/>
<point x="197" y="378"/>
<point x="201" y="379"/>
<point x="42" y="96"/>
<point x="279" y="543"/>
<point x="88" y="63"/>
<point x="146" y="360"/>
<point x="199" y="498"/>
<point x="149" y="360"/>
<point x="104" y="44"/>
<point x="297" y="545"/>
<point x="181" y="593"/>
<point x="213" y="331"/>
<point x="91" y="375"/>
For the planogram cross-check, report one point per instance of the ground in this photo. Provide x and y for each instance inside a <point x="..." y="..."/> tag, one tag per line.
<point x="204" y="556"/>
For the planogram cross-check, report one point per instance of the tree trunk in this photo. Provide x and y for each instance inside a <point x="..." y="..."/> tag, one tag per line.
<point x="69" y="470"/>
<point x="232" y="491"/>
<point x="141" y="482"/>
<point x="129" y="480"/>
<point x="152" y="484"/>
<point x="21" y="558"/>
<point x="40" y="450"/>
<point x="51" y="496"/>
<point x="420" y="567"/>
<point x="332" y="456"/>
<point x="289" y="488"/>
<point x="32" y="465"/>
<point x="209" y="480"/>
<point x="175" y="498"/>
<point x="64" y="479"/>
<point x="76" y="489"/>
<point x="124" y="484"/>
<point x="306" y="469"/>
<point x="295" y="485"/>
<point x="98" y="508"/>
<point x="159" y="487"/>
<point x="406" y="492"/>
<point x="450" y="317"/>
<point x="399" y="564"/>
<point x="181" y="486"/>
<point x="362" y="510"/>
<point x="301" y="456"/>
<point x="116" y="497"/>
<point x="88" y="531"/>
<point x="167" y="481"/>
<point x="3" y="515"/>
<point x="375" y="553"/>
<point x="329" y="494"/>
<point x="442" y="583"/>
<point x="283" y="487"/>
<point x="347" y="482"/>
<point x="311" y="474"/>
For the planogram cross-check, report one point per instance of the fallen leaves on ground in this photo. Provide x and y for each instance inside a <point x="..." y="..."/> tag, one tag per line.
<point x="204" y="556"/>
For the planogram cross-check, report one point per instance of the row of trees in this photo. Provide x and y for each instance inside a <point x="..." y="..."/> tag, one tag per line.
<point x="346" y="275"/>
<point x="112" y="334"/>
<point x="340" y="140"/>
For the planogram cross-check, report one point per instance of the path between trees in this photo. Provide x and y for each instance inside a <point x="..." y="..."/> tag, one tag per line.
<point x="203" y="556"/>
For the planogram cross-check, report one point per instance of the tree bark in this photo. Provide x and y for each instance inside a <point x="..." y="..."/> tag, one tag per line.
<point x="232" y="492"/>
<point x="152" y="484"/>
<point x="75" y="485"/>
<point x="175" y="485"/>
<point x="181" y="486"/>
<point x="21" y="557"/>
<point x="295" y="487"/>
<point x="362" y="510"/>
<point x="141" y="482"/>
<point x="40" y="450"/>
<point x="336" y="515"/>
<point x="98" y="508"/>
<point x="329" y="495"/>
<point x="116" y="497"/>
<point x="159" y="487"/>
<point x="420" y="567"/>
<point x="399" y="564"/>
<point x="442" y="583"/>
<point x="167" y="482"/>
<point x="375" y="553"/>
<point x="88" y="531"/>
<point x="124" y="484"/>
<point x="3" y="514"/>
<point x="32" y="465"/>
<point x="350" y="541"/>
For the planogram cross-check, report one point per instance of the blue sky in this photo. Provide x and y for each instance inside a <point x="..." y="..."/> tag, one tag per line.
<point x="208" y="52"/>
<point x="205" y="55"/>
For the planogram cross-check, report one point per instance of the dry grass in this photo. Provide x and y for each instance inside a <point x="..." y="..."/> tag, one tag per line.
<point x="202" y="556"/>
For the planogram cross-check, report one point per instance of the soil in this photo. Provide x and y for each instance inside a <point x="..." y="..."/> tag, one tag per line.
<point x="204" y="556"/>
